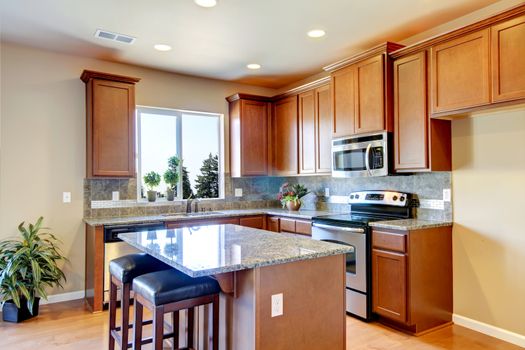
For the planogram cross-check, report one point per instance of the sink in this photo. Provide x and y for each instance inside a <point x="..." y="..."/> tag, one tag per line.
<point x="199" y="214"/>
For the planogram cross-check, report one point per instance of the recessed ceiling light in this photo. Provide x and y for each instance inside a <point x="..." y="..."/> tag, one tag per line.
<point x="316" y="33"/>
<point x="162" y="47"/>
<point x="253" y="66"/>
<point x="206" y="3"/>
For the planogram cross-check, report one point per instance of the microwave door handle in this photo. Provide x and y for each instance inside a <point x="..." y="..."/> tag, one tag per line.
<point x="367" y="159"/>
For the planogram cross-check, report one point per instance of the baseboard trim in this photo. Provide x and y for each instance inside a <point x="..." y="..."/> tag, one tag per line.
<point x="493" y="331"/>
<point x="57" y="298"/>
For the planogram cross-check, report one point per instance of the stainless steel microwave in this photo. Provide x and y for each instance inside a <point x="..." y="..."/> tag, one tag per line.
<point x="360" y="155"/>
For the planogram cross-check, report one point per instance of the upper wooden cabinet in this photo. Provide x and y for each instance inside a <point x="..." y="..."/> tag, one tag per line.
<point x="461" y="72"/>
<point x="285" y="137"/>
<point x="110" y="108"/>
<point x="315" y="137"/>
<point x="508" y="60"/>
<point x="362" y="91"/>
<point x="249" y="117"/>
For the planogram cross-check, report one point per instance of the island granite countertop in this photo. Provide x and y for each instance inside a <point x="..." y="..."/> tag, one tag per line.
<point x="122" y="220"/>
<point x="216" y="249"/>
<point x="409" y="224"/>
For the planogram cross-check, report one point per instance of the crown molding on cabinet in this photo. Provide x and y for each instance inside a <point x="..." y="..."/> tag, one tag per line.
<point x="90" y="74"/>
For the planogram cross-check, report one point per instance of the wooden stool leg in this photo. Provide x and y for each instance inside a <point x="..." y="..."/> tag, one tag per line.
<point x="216" y="322"/>
<point x="175" y="323"/>
<point x="126" y="288"/>
<point x="112" y="313"/>
<point x="191" y="317"/>
<point x="137" y="328"/>
<point x="158" y="327"/>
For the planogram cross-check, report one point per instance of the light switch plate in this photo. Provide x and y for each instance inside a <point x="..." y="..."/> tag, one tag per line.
<point x="446" y="195"/>
<point x="238" y="192"/>
<point x="115" y="195"/>
<point x="277" y="305"/>
<point x="66" y="197"/>
<point x="327" y="192"/>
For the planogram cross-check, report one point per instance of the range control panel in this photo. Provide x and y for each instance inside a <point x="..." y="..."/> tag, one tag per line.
<point x="379" y="197"/>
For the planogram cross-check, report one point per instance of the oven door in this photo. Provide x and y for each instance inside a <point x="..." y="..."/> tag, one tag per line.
<point x="368" y="158"/>
<point x="356" y="260"/>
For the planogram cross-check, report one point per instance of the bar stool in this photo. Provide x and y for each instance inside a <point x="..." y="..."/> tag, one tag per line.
<point x="170" y="291"/>
<point x="122" y="272"/>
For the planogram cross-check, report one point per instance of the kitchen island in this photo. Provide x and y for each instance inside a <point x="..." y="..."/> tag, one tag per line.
<point x="251" y="266"/>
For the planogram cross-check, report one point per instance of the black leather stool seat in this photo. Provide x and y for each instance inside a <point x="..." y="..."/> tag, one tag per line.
<point x="170" y="286"/>
<point x="128" y="267"/>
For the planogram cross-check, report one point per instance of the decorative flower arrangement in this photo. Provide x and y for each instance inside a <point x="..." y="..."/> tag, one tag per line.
<point x="290" y="196"/>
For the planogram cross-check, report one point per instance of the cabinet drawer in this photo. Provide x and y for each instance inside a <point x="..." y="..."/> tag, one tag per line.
<point x="287" y="225"/>
<point x="389" y="241"/>
<point x="303" y="227"/>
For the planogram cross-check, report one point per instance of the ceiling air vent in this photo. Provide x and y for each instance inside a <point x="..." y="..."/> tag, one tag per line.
<point x="104" y="34"/>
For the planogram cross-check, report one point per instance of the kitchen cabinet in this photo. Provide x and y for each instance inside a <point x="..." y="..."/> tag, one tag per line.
<point x="285" y="137"/>
<point x="420" y="144"/>
<point x="315" y="131"/>
<point x="412" y="277"/>
<point x="508" y="67"/>
<point x="343" y="101"/>
<point x="370" y="92"/>
<point x="202" y="222"/>
<point x="289" y="225"/>
<point x="249" y="140"/>
<point x="272" y="224"/>
<point x="460" y="72"/>
<point x="110" y="124"/>
<point x="258" y="221"/>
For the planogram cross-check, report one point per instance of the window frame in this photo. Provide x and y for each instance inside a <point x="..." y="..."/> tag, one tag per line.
<point x="178" y="113"/>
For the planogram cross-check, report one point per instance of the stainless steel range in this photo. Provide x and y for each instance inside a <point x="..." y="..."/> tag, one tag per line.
<point x="353" y="230"/>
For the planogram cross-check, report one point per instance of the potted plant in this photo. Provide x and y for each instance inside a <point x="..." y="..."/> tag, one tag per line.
<point x="290" y="196"/>
<point x="27" y="266"/>
<point x="171" y="177"/>
<point x="152" y="180"/>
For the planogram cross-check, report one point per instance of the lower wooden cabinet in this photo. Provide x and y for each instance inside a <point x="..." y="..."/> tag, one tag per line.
<point x="253" y="221"/>
<point x="202" y="222"/>
<point x="285" y="224"/>
<point x="272" y="224"/>
<point x="412" y="277"/>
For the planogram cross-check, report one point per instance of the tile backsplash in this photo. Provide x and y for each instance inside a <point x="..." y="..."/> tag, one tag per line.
<point x="260" y="192"/>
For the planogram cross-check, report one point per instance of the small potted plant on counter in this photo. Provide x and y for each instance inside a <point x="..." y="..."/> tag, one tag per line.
<point x="152" y="180"/>
<point x="171" y="177"/>
<point x="27" y="266"/>
<point x="290" y="196"/>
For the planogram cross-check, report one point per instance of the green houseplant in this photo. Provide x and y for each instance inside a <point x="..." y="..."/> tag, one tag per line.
<point x="290" y="196"/>
<point x="152" y="180"/>
<point x="171" y="177"/>
<point x="27" y="266"/>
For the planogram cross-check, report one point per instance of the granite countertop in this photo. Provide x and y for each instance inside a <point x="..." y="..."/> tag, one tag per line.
<point x="409" y="224"/>
<point x="215" y="249"/>
<point x="301" y="214"/>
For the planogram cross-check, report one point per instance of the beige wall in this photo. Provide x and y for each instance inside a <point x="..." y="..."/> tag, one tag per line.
<point x="42" y="135"/>
<point x="488" y="181"/>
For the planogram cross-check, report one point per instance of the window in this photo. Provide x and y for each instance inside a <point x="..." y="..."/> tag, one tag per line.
<point x="195" y="138"/>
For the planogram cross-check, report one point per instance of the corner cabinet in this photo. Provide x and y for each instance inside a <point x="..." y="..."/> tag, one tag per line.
<point x="412" y="277"/>
<point x="110" y="131"/>
<point x="249" y="141"/>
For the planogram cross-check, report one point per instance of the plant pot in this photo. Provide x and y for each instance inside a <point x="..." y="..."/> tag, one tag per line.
<point x="170" y="195"/>
<point x="10" y="313"/>
<point x="152" y="196"/>
<point x="293" y="205"/>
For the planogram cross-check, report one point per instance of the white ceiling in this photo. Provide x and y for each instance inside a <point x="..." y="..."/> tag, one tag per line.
<point x="219" y="42"/>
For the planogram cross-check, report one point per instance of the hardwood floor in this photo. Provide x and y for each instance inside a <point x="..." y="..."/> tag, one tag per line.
<point x="70" y="326"/>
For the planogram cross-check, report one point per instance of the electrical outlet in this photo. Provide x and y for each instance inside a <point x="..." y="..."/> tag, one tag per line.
<point x="66" y="197"/>
<point x="277" y="305"/>
<point x="115" y="195"/>
<point x="238" y="192"/>
<point x="446" y="195"/>
<point x="327" y="192"/>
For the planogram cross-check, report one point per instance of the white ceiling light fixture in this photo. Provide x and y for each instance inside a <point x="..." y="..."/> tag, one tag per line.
<point x="316" y="33"/>
<point x="253" y="66"/>
<point x="206" y="3"/>
<point x="162" y="47"/>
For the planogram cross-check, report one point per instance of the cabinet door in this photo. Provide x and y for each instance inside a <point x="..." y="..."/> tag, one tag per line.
<point x="307" y="131"/>
<point x="112" y="128"/>
<point x="389" y="287"/>
<point x="410" y="113"/>
<point x="272" y="224"/>
<point x="370" y="100"/>
<point x="508" y="60"/>
<point x="202" y="222"/>
<point x="253" y="222"/>
<point x="460" y="73"/>
<point x="254" y="138"/>
<point x="343" y="101"/>
<point x="284" y="139"/>
<point x="323" y="120"/>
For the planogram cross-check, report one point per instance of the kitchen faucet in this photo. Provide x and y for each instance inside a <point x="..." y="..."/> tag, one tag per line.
<point x="188" y="205"/>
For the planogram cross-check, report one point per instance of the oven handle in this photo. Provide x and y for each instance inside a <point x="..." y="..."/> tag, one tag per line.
<point x="367" y="159"/>
<point x="340" y="228"/>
